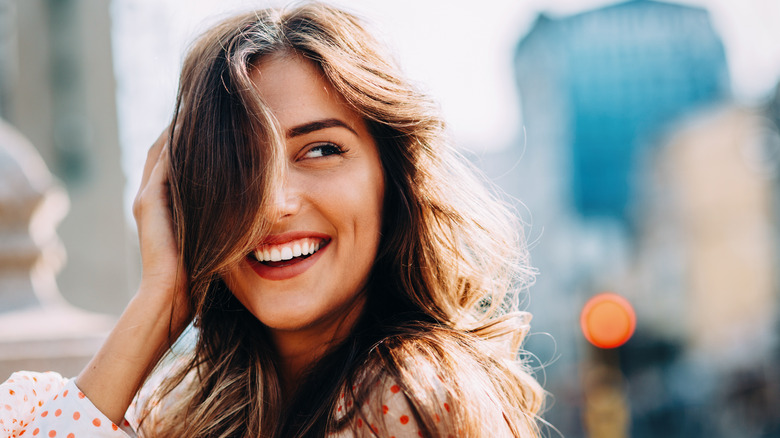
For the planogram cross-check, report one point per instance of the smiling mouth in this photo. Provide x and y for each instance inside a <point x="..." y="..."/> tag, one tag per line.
<point x="288" y="253"/>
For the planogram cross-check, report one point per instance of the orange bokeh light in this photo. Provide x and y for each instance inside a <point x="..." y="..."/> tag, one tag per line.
<point x="608" y="320"/>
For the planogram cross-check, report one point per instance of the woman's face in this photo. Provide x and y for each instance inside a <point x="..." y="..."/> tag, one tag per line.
<point x="307" y="276"/>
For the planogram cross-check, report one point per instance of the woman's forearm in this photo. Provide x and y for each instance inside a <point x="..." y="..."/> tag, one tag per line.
<point x="157" y="314"/>
<point x="140" y="338"/>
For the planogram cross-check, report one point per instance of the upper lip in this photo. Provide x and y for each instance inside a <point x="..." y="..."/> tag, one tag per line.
<point x="277" y="239"/>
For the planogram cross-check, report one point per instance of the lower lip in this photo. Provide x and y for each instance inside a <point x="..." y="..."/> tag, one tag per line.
<point x="286" y="272"/>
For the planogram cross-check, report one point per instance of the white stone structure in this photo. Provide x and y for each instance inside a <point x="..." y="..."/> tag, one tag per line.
<point x="38" y="329"/>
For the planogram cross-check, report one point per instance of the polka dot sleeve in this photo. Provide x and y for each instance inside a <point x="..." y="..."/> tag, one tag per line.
<point x="48" y="405"/>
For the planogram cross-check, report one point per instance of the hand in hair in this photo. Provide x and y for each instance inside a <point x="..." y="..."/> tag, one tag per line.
<point x="162" y="270"/>
<point x="157" y="314"/>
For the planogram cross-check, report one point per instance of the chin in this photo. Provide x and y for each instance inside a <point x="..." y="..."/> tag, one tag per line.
<point x="314" y="321"/>
<point x="288" y="322"/>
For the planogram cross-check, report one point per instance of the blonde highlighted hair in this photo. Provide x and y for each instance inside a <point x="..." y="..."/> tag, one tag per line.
<point x="442" y="317"/>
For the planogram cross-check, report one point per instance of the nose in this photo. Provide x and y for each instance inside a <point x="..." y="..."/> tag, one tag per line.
<point x="287" y="199"/>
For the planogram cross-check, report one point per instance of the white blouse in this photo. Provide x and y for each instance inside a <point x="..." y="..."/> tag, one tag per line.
<point x="48" y="405"/>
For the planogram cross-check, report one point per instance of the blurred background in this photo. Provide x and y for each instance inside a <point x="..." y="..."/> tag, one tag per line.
<point x="640" y="139"/>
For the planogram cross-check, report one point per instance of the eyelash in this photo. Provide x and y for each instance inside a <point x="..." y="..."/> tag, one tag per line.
<point x="326" y="149"/>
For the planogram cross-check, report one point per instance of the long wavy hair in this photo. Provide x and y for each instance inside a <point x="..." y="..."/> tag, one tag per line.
<point x="441" y="318"/>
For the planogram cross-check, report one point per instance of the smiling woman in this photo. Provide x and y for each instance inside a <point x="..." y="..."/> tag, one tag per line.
<point x="330" y="203"/>
<point x="346" y="271"/>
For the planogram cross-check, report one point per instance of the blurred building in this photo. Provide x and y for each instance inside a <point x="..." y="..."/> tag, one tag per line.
<point x="612" y="100"/>
<point x="709" y="199"/>
<point x="57" y="91"/>
<point x="619" y="75"/>
<point x="57" y="88"/>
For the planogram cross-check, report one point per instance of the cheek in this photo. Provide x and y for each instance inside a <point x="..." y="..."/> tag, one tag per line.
<point x="368" y="222"/>
<point x="237" y="280"/>
<point x="352" y="199"/>
<point x="366" y="203"/>
<point x="369" y="211"/>
<point x="371" y="191"/>
<point x="355" y="211"/>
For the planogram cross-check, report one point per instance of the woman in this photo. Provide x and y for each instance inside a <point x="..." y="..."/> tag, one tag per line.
<point x="347" y="273"/>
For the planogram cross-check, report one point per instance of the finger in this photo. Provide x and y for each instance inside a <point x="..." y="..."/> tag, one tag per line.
<point x="153" y="157"/>
<point x="158" y="177"/>
<point x="155" y="189"/>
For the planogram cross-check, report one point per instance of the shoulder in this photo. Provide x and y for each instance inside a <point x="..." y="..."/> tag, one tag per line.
<point x="156" y="399"/>
<point x="444" y="382"/>
<point x="378" y="407"/>
<point x="398" y="391"/>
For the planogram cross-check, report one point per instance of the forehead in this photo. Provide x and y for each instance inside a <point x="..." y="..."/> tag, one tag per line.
<point x="296" y="92"/>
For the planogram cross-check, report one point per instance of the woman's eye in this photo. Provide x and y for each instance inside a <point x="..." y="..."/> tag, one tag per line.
<point x="323" y="150"/>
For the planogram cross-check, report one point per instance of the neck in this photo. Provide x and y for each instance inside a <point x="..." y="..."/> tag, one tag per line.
<point x="299" y="349"/>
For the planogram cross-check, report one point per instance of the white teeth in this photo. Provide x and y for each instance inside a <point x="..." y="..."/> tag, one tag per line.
<point x="279" y="253"/>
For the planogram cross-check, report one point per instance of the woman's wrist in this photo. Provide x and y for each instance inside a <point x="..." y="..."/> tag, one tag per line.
<point x="165" y="301"/>
<point x="144" y="332"/>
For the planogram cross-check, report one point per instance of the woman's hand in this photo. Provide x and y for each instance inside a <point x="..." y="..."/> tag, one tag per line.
<point x="157" y="314"/>
<point x="163" y="273"/>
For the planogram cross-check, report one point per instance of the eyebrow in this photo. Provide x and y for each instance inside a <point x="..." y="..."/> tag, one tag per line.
<point x="316" y="125"/>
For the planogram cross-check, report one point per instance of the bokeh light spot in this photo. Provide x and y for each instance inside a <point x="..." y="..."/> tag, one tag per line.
<point x="608" y="320"/>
